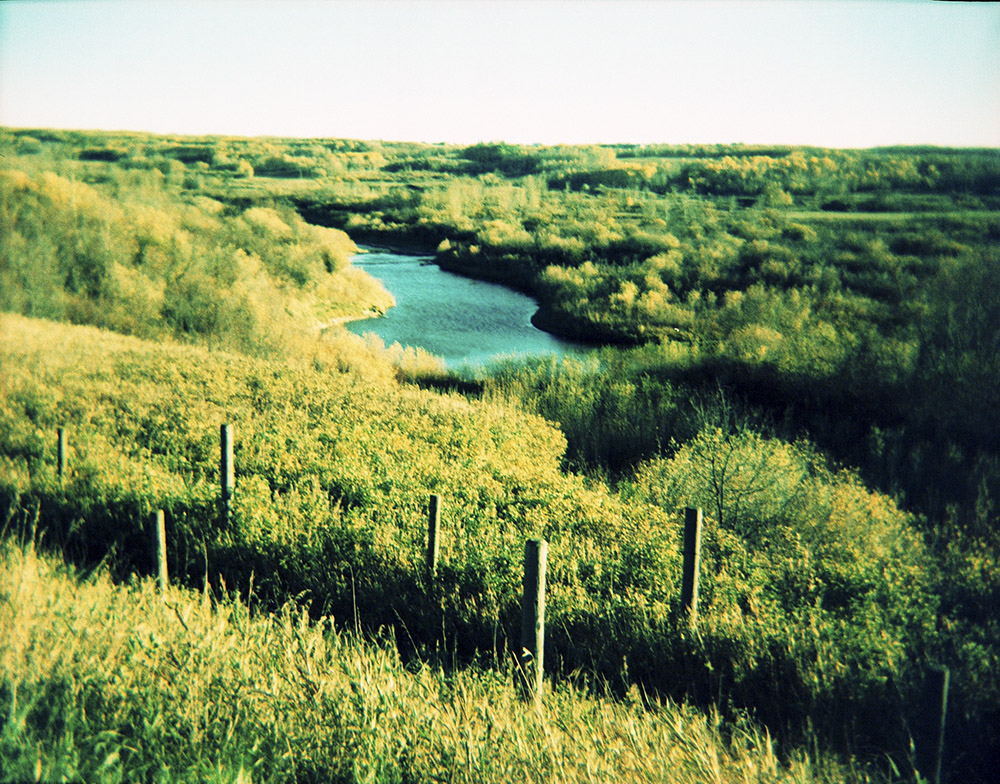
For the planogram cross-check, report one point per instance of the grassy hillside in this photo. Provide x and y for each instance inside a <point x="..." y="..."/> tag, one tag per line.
<point x="333" y="473"/>
<point x="105" y="683"/>
<point x="141" y="257"/>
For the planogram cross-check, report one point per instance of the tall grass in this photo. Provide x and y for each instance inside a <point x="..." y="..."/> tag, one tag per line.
<point x="333" y="475"/>
<point x="109" y="683"/>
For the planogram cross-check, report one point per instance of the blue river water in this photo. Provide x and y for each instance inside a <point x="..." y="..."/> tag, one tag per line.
<point x="464" y="321"/>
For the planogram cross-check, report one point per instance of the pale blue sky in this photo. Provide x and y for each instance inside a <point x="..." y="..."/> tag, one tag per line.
<point x="850" y="73"/>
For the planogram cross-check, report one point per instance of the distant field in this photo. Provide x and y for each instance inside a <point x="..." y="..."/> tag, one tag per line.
<point x="884" y="217"/>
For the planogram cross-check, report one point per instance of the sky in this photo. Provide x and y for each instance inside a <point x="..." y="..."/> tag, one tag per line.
<point x="834" y="73"/>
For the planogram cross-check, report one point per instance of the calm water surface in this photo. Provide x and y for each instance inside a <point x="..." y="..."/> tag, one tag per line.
<point x="466" y="322"/>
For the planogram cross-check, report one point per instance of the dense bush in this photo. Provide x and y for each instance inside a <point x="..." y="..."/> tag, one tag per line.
<point x="151" y="264"/>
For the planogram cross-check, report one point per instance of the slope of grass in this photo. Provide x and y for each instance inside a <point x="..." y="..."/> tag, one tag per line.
<point x="106" y="683"/>
<point x="333" y="474"/>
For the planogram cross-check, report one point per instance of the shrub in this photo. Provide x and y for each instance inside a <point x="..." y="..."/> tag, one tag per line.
<point x="817" y="580"/>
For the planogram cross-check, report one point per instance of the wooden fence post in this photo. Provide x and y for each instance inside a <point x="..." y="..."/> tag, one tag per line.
<point x="692" y="561"/>
<point x="533" y="617"/>
<point x="938" y="697"/>
<point x="433" y="534"/>
<point x="227" y="471"/>
<point x="61" y="452"/>
<point x="160" y="534"/>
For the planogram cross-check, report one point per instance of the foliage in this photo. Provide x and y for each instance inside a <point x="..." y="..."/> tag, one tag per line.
<point x="612" y="419"/>
<point x="147" y="262"/>
<point x="842" y="298"/>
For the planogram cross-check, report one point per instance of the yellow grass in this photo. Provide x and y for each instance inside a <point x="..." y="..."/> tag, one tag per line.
<point x="117" y="683"/>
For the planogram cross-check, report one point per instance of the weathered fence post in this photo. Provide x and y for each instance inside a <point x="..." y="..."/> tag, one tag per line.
<point x="937" y="696"/>
<point x="533" y="617"/>
<point x="433" y="534"/>
<point x="226" y="471"/>
<point x="61" y="452"/>
<point x="160" y="534"/>
<point x="692" y="560"/>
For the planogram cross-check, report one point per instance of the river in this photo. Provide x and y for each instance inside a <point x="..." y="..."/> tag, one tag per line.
<point x="464" y="321"/>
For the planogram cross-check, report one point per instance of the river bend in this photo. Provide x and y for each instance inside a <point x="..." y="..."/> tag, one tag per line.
<point x="464" y="321"/>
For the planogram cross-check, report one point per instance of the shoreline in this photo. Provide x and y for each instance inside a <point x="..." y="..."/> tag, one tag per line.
<point x="322" y="326"/>
<point x="400" y="246"/>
